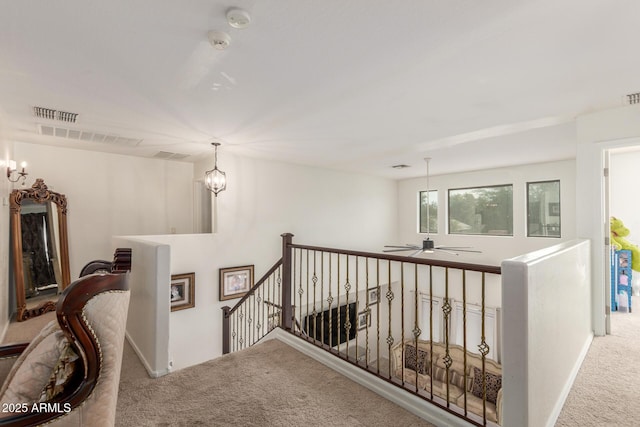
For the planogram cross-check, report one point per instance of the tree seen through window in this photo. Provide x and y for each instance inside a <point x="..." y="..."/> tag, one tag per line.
<point x="481" y="210"/>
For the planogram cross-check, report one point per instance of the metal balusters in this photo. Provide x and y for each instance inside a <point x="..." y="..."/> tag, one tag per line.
<point x="366" y="345"/>
<point x="378" y="316"/>
<point x="338" y="325"/>
<point x="446" y="309"/>
<point x="401" y="317"/>
<point x="464" y="333"/>
<point x="389" y="296"/>
<point x="357" y="325"/>
<point x="248" y="321"/>
<point x="431" y="331"/>
<point x="300" y="290"/>
<point x="307" y="315"/>
<point x="416" y="324"/>
<point x="280" y="295"/>
<point x="314" y="279"/>
<point x="484" y="350"/>
<point x="322" y="297"/>
<point x="347" y="321"/>
<point x="330" y="302"/>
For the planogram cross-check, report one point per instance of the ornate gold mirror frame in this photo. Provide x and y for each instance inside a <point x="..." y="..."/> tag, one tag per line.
<point x="38" y="193"/>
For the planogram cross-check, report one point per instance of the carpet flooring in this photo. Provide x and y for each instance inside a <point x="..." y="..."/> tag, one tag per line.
<point x="269" y="384"/>
<point x="608" y="382"/>
<point x="221" y="393"/>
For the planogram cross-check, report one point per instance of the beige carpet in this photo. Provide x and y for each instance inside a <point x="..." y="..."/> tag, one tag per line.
<point x="219" y="393"/>
<point x="607" y="389"/>
<point x="270" y="384"/>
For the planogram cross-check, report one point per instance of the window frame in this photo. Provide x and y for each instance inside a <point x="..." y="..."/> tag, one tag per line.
<point x="548" y="181"/>
<point x="420" y="193"/>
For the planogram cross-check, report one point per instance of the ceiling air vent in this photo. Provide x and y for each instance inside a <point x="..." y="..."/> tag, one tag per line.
<point x="48" y="113"/>
<point x="88" y="136"/>
<point x="633" y="98"/>
<point x="170" y="156"/>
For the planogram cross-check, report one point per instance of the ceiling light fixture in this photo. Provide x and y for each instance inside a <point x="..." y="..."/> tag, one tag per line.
<point x="215" y="179"/>
<point x="238" y="18"/>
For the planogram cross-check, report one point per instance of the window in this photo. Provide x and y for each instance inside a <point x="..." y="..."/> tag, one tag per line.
<point x="543" y="209"/>
<point x="481" y="210"/>
<point x="433" y="212"/>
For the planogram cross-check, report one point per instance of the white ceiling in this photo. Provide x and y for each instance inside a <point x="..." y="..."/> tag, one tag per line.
<point x="355" y="85"/>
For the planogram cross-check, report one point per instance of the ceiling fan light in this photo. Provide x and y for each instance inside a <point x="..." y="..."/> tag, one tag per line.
<point x="428" y="245"/>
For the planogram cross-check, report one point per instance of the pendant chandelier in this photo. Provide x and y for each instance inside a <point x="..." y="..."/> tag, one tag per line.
<point x="215" y="179"/>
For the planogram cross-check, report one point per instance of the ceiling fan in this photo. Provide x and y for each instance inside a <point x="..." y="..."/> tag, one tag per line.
<point x="428" y="245"/>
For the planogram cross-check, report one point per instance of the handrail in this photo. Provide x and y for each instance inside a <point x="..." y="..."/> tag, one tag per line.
<point x="413" y="260"/>
<point x="256" y="286"/>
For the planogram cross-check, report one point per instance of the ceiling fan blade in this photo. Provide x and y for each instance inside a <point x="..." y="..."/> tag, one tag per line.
<point x="447" y="251"/>
<point x="416" y="252"/>
<point x="459" y="248"/>
<point x="402" y="247"/>
<point x="399" y="250"/>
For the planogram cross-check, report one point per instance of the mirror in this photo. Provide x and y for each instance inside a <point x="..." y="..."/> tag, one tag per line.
<point x="40" y="248"/>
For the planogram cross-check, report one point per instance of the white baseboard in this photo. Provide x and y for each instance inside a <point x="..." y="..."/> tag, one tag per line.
<point x="143" y="360"/>
<point x="555" y="413"/>
<point x="402" y="398"/>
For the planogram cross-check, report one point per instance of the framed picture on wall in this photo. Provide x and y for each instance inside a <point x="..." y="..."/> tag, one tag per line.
<point x="373" y="295"/>
<point x="235" y="282"/>
<point x="183" y="291"/>
<point x="364" y="319"/>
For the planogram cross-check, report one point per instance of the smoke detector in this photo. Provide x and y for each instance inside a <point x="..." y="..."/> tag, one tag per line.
<point x="219" y="39"/>
<point x="238" y="18"/>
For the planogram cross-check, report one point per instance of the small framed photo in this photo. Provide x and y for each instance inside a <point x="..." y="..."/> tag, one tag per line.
<point x="235" y="282"/>
<point x="364" y="319"/>
<point x="183" y="291"/>
<point x="373" y="295"/>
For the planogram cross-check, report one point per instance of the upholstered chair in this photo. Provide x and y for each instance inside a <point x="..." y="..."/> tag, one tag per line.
<point x="68" y="375"/>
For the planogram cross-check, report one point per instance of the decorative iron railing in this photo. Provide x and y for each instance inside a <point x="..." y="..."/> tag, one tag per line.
<point x="429" y="326"/>
<point x="256" y="314"/>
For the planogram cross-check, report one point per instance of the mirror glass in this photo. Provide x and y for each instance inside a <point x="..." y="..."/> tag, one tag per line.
<point x="39" y="249"/>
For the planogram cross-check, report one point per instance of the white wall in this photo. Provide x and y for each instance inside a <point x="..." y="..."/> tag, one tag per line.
<point x="597" y="132"/>
<point x="263" y="200"/>
<point x="319" y="206"/>
<point x="547" y="311"/>
<point x="148" y="316"/>
<point x="494" y="248"/>
<point x="111" y="194"/>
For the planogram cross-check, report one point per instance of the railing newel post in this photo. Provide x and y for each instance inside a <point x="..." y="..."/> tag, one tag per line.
<point x="287" y="312"/>
<point x="225" y="329"/>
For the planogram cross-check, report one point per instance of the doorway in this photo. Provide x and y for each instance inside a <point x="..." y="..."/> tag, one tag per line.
<point x="621" y="202"/>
